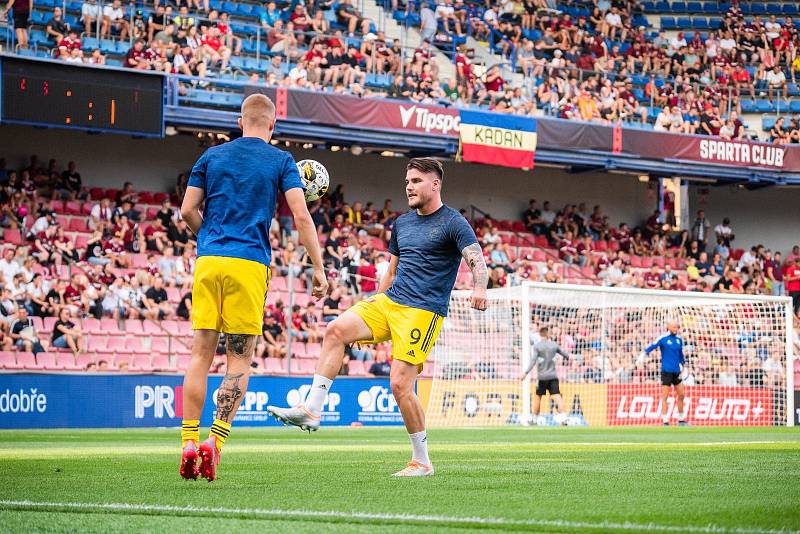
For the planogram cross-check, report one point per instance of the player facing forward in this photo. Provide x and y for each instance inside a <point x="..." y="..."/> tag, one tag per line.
<point x="672" y="360"/>
<point x="543" y="356"/>
<point x="425" y="249"/>
<point x="239" y="182"/>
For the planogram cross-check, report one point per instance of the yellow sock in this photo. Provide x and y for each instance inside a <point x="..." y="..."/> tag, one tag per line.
<point x="190" y="431"/>
<point x="220" y="430"/>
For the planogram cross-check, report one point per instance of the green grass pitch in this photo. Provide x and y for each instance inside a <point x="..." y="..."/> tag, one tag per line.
<point x="531" y="479"/>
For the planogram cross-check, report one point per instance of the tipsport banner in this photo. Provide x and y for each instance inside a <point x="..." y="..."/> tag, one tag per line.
<point x="122" y="401"/>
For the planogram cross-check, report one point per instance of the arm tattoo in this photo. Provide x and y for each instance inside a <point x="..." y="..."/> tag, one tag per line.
<point x="228" y="396"/>
<point x="240" y="345"/>
<point x="473" y="255"/>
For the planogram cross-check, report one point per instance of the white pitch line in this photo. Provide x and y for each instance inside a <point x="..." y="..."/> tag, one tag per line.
<point x="424" y="520"/>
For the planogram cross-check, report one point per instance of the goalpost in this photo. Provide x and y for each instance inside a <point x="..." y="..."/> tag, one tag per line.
<point x="738" y="348"/>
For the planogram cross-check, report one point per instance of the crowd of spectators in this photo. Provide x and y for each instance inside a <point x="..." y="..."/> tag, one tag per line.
<point x="130" y="251"/>
<point x="603" y="65"/>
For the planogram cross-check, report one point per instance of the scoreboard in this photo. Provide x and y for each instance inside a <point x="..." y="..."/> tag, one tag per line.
<point x="57" y="94"/>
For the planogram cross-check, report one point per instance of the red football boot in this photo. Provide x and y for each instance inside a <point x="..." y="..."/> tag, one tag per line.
<point x="209" y="458"/>
<point x="189" y="469"/>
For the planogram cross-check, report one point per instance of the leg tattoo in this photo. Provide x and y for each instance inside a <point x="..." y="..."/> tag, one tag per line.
<point x="240" y="345"/>
<point x="228" y="395"/>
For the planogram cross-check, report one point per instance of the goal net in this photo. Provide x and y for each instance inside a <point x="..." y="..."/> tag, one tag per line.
<point x="738" y="351"/>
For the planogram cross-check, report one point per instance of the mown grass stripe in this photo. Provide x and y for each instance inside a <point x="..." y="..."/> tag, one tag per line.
<point x="374" y="518"/>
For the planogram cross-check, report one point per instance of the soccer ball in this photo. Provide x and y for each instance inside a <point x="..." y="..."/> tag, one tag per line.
<point x="315" y="178"/>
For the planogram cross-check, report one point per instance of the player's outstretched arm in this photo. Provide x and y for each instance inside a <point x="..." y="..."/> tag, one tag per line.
<point x="473" y="255"/>
<point x="296" y="200"/>
<point x="190" y="209"/>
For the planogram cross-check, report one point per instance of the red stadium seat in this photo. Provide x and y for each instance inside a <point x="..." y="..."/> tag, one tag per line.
<point x="81" y="241"/>
<point x="78" y="224"/>
<point x="86" y="208"/>
<point x="356" y="368"/>
<point x="141" y="362"/>
<point x="8" y="360"/>
<point x="183" y="362"/>
<point x="160" y="345"/>
<point x="303" y="366"/>
<point x="12" y="236"/>
<point x="133" y="327"/>
<point x="153" y="329"/>
<point x="96" y="193"/>
<point x="145" y="197"/>
<point x="539" y="255"/>
<point x="97" y="343"/>
<point x="647" y="261"/>
<point x="161" y="363"/>
<point x="47" y="361"/>
<point x="83" y="360"/>
<point x="278" y="283"/>
<point x="136" y="345"/>
<point x="518" y="226"/>
<point x="185" y="328"/>
<point x="636" y="261"/>
<point x="72" y="207"/>
<point x="541" y="241"/>
<point x="170" y="327"/>
<point x="601" y="245"/>
<point x="92" y="326"/>
<point x="110" y="326"/>
<point x="27" y="361"/>
<point x="117" y="344"/>
<point x="66" y="361"/>
<point x="158" y="198"/>
<point x="58" y="206"/>
<point x="174" y="294"/>
<point x="275" y="366"/>
<point x="49" y="323"/>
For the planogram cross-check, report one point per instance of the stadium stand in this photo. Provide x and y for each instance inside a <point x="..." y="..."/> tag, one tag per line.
<point x="671" y="66"/>
<point x="109" y="270"/>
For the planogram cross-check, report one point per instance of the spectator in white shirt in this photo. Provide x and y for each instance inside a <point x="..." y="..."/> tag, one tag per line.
<point x="776" y="80"/>
<point x="427" y="22"/>
<point x="43" y="223"/>
<point x="773" y="28"/>
<point x="613" y="23"/>
<point x="724" y="231"/>
<point x="299" y="75"/>
<point x="547" y="215"/>
<point x="727" y="43"/>
<point x="114" y="15"/>
<point x="90" y="12"/>
<point x="101" y="213"/>
<point x="8" y="265"/>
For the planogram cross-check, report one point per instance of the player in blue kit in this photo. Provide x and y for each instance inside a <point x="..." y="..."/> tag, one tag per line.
<point x="426" y="248"/>
<point x="672" y="360"/>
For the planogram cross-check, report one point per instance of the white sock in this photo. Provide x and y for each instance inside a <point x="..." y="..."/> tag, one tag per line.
<point x="316" y="396"/>
<point x="665" y="418"/>
<point x="419" y="444"/>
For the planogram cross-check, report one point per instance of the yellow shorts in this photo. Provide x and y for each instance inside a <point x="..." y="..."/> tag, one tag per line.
<point x="413" y="331"/>
<point x="229" y="295"/>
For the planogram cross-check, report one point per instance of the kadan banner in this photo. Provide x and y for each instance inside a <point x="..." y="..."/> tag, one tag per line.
<point x="495" y="139"/>
<point x="121" y="401"/>
<point x="640" y="404"/>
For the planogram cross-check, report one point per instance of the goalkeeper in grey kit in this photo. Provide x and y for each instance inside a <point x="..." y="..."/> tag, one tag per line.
<point x="543" y="356"/>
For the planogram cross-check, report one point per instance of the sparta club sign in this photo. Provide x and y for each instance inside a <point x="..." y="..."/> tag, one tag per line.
<point x="704" y="406"/>
<point x="742" y="153"/>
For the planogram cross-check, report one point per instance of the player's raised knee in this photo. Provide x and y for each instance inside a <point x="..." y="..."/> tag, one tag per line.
<point x="401" y="386"/>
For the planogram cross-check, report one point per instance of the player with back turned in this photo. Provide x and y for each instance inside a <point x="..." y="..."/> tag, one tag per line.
<point x="426" y="247"/>
<point x="672" y="360"/>
<point x="239" y="183"/>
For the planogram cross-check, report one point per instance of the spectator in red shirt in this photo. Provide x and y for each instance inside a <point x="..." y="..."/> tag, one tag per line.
<point x="652" y="278"/>
<point x="136" y="58"/>
<point x="367" y="276"/>
<point x="566" y="249"/>
<point x="68" y="44"/>
<point x="741" y="78"/>
<point x="791" y="277"/>
<point x="217" y="52"/>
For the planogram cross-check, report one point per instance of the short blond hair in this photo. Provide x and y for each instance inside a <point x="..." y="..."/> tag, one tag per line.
<point x="258" y="111"/>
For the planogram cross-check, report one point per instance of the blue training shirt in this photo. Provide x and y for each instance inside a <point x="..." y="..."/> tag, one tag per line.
<point x="241" y="180"/>
<point x="671" y="352"/>
<point x="429" y="248"/>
